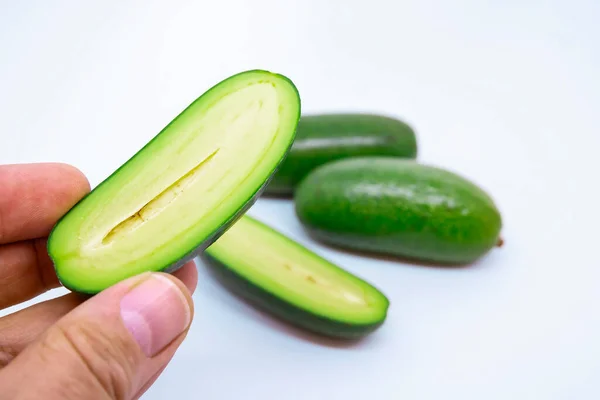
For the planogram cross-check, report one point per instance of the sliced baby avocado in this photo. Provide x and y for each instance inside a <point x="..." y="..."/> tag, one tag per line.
<point x="183" y="189"/>
<point x="399" y="207"/>
<point x="282" y="277"/>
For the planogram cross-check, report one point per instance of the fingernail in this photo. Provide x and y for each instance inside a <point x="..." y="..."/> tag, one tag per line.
<point x="155" y="311"/>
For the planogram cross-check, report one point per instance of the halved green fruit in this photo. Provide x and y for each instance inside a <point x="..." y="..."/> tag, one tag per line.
<point x="183" y="189"/>
<point x="279" y="275"/>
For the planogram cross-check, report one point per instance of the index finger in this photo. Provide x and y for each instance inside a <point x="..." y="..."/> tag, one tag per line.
<point x="34" y="196"/>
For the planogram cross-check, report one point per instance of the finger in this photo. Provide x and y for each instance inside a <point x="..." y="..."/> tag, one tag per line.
<point x="188" y="275"/>
<point x="148" y="384"/>
<point x="35" y="196"/>
<point x="25" y="271"/>
<point x="109" y="346"/>
<point x="20" y="329"/>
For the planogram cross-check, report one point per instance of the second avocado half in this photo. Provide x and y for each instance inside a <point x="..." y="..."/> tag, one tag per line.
<point x="279" y="275"/>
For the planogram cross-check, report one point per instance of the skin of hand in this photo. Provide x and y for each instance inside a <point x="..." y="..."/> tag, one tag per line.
<point x="113" y="345"/>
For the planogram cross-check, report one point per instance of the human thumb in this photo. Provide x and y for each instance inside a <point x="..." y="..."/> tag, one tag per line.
<point x="110" y="347"/>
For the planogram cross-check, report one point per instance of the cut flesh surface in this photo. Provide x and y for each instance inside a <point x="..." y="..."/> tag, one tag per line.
<point x="289" y="271"/>
<point x="183" y="187"/>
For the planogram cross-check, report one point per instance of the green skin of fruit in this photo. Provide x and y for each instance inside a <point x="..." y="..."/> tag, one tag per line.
<point x="195" y="245"/>
<point x="263" y="300"/>
<point x="323" y="138"/>
<point x="272" y="251"/>
<point x="399" y="208"/>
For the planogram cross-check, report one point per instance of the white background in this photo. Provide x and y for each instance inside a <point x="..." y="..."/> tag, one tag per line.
<point x="507" y="93"/>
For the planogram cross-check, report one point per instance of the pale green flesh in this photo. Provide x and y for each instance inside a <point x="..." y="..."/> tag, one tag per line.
<point x="293" y="273"/>
<point x="182" y="186"/>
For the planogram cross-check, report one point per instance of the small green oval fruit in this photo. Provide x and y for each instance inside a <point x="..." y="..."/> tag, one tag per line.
<point x="322" y="138"/>
<point x="280" y="276"/>
<point x="183" y="189"/>
<point x="398" y="207"/>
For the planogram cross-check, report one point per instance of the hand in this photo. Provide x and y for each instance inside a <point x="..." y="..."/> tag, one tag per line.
<point x="109" y="346"/>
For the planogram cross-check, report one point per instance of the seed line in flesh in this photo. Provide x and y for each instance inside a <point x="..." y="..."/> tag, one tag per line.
<point x="157" y="204"/>
<point x="325" y="284"/>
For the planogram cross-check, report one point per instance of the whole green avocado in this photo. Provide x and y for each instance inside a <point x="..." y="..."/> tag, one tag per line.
<point x="398" y="207"/>
<point x="322" y="138"/>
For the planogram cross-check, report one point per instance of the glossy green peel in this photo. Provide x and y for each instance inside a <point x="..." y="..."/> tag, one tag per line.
<point x="293" y="283"/>
<point x="322" y="138"/>
<point x="183" y="189"/>
<point x="399" y="207"/>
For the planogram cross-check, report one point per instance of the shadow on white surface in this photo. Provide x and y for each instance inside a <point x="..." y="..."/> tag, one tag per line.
<point x="404" y="261"/>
